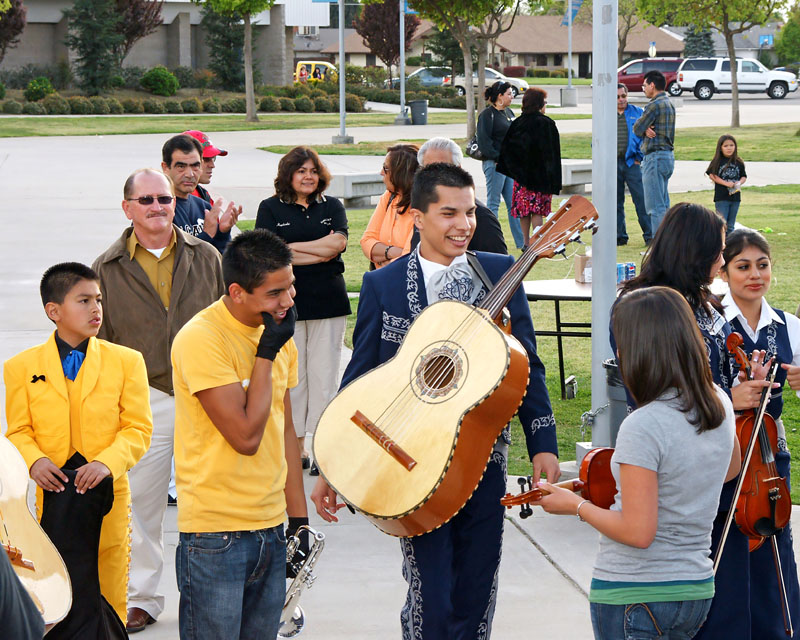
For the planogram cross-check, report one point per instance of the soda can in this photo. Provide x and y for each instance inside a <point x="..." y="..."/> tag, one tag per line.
<point x="620" y="272"/>
<point x="630" y="270"/>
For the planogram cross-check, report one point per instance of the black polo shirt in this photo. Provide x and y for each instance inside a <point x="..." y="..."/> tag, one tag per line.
<point x="321" y="292"/>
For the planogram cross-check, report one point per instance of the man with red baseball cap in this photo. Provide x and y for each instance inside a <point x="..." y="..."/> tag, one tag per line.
<point x="210" y="153"/>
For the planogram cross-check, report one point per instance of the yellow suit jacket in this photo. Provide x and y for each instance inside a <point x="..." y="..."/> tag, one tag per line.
<point x="116" y="421"/>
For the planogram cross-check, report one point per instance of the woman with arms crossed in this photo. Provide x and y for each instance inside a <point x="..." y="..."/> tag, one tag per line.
<point x="653" y="576"/>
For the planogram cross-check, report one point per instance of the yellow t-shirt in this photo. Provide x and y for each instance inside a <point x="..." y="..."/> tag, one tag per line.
<point x="218" y="488"/>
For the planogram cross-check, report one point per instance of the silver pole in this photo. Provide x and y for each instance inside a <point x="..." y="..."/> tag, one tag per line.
<point x="401" y="117"/>
<point x="342" y="138"/>
<point x="604" y="198"/>
<point x="569" y="44"/>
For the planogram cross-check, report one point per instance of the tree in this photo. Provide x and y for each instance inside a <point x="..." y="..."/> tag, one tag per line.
<point x="245" y="8"/>
<point x="627" y="21"/>
<point x="787" y="46"/>
<point x="92" y="34"/>
<point x="499" y="20"/>
<point x="446" y="52"/>
<point x="12" y="23"/>
<point x="458" y="17"/>
<point x="379" y="27"/>
<point x="225" y="41"/>
<point x="698" y="42"/>
<point x="729" y="17"/>
<point x="139" y="18"/>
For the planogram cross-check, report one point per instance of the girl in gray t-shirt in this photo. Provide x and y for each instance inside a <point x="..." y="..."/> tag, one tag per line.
<point x="653" y="574"/>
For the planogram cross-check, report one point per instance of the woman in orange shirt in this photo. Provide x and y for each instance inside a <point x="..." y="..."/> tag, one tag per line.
<point x="388" y="234"/>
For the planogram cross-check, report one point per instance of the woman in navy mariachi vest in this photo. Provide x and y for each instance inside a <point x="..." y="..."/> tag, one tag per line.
<point x="748" y="271"/>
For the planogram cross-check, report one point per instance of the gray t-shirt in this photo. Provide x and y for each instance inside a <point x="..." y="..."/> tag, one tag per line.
<point x="691" y="469"/>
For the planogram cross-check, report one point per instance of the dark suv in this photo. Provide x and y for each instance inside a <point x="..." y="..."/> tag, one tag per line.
<point x="632" y="73"/>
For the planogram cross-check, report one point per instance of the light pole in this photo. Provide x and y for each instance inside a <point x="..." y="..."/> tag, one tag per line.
<point x="342" y="138"/>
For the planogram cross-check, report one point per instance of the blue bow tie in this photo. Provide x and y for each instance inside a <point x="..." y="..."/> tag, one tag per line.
<point x="72" y="364"/>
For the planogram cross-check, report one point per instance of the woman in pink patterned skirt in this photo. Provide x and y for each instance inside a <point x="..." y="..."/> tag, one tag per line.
<point x="531" y="155"/>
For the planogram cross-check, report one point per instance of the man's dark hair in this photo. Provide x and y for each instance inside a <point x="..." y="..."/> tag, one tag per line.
<point x="250" y="256"/>
<point x="423" y="191"/>
<point x="182" y="143"/>
<point x="622" y="86"/>
<point x="59" y="279"/>
<point x="656" y="78"/>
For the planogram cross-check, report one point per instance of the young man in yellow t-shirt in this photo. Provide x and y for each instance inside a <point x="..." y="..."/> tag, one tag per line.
<point x="237" y="465"/>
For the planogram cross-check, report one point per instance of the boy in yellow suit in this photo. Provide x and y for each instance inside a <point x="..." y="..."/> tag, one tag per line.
<point x="74" y="396"/>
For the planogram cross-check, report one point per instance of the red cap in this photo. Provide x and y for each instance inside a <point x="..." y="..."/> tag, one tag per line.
<point x="209" y="150"/>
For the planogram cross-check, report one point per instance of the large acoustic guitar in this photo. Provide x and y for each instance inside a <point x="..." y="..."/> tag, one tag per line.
<point x="407" y="443"/>
<point x="33" y="557"/>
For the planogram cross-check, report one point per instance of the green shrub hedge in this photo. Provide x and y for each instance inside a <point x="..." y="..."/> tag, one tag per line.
<point x="191" y="105"/>
<point x="12" y="106"/>
<point x="303" y="104"/>
<point x="79" y="105"/>
<point x="160" y="81"/>
<point x="270" y="104"/>
<point x="38" y="88"/>
<point x="211" y="105"/>
<point x="132" y="105"/>
<point x="100" y="105"/>
<point x="172" y="106"/>
<point x="33" y="109"/>
<point x="287" y="104"/>
<point x="151" y="105"/>
<point x="55" y="104"/>
<point x="114" y="105"/>
<point x="235" y="105"/>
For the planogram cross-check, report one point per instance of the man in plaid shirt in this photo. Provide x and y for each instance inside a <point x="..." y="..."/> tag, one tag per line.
<point x="656" y="127"/>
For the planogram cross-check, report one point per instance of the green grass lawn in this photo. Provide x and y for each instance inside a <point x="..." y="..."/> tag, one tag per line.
<point x="762" y="208"/>
<point x="538" y="82"/>
<point x="757" y="143"/>
<point x="19" y="126"/>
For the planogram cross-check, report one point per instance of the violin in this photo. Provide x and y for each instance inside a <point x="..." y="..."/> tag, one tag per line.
<point x="595" y="483"/>
<point x="764" y="506"/>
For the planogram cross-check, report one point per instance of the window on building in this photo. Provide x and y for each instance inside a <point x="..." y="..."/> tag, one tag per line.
<point x="307" y="31"/>
<point x="558" y="60"/>
<point x="371" y="59"/>
<point x="541" y="60"/>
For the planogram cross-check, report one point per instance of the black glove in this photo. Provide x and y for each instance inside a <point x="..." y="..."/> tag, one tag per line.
<point x="275" y="335"/>
<point x="302" y="549"/>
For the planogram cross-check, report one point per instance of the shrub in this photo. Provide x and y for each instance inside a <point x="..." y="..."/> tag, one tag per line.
<point x="114" y="105"/>
<point x="55" y="104"/>
<point x="328" y="87"/>
<point x="541" y="73"/>
<point x="132" y="105"/>
<point x="531" y="71"/>
<point x="514" y="71"/>
<point x="211" y="105"/>
<point x="12" y="107"/>
<point x="116" y="81"/>
<point x="353" y="74"/>
<point x="2" y="91"/>
<point x="457" y="102"/>
<point x="160" y="81"/>
<point x="414" y="61"/>
<point x="303" y="104"/>
<point x="79" y="105"/>
<point x="324" y="105"/>
<point x="100" y="105"/>
<point x="301" y="89"/>
<point x="184" y="76"/>
<point x="33" y="109"/>
<point x="353" y="103"/>
<point x="38" y="88"/>
<point x="374" y="76"/>
<point x="132" y="76"/>
<point x="151" y="105"/>
<point x="317" y="93"/>
<point x="287" y="104"/>
<point x="191" y="105"/>
<point x="270" y="104"/>
<point x="173" y="106"/>
<point x="60" y="75"/>
<point x="560" y="73"/>
<point x="235" y="105"/>
<point x="203" y="79"/>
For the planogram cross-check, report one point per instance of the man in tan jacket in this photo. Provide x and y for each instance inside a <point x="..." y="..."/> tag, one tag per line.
<point x="154" y="278"/>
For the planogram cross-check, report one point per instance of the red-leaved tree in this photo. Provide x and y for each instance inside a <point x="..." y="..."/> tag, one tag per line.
<point x="379" y="27"/>
<point x="138" y="18"/>
<point x="12" y="23"/>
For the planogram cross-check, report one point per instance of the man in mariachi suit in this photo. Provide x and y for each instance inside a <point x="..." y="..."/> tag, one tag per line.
<point x="451" y="571"/>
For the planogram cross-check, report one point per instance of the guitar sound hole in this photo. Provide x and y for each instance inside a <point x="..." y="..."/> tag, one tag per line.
<point x="439" y="372"/>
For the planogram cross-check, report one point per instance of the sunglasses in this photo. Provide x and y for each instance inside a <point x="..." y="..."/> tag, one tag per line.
<point x="146" y="201"/>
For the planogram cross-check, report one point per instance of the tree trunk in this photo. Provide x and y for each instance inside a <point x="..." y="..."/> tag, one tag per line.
<point x="734" y="78"/>
<point x="250" y="94"/>
<point x="464" y="41"/>
<point x="482" y="54"/>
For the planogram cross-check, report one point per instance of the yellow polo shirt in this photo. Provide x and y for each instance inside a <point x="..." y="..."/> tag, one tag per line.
<point x="157" y="268"/>
<point x="218" y="488"/>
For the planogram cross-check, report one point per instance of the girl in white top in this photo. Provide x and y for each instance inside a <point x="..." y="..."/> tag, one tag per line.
<point x="653" y="575"/>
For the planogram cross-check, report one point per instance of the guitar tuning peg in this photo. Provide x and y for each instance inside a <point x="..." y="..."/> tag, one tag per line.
<point x="525" y="511"/>
<point x="522" y="481"/>
<point x="591" y="224"/>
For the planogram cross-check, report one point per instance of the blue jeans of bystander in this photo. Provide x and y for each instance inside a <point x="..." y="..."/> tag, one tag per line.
<point x="232" y="584"/>
<point x="728" y="210"/>
<point x="498" y="185"/>
<point x="665" y="620"/>
<point x="632" y="176"/>
<point x="657" y="169"/>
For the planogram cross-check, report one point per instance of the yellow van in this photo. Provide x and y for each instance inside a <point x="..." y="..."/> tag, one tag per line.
<point x="315" y="70"/>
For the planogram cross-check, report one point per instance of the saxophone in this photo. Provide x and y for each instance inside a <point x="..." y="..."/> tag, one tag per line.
<point x="292" y="616"/>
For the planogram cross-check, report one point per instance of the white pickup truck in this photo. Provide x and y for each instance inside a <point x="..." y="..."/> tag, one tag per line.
<point x="707" y="76"/>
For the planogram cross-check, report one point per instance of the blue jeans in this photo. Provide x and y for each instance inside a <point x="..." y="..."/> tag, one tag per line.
<point x="670" y="620"/>
<point x="498" y="185"/>
<point x="232" y="584"/>
<point x="728" y="210"/>
<point x="657" y="168"/>
<point x="632" y="176"/>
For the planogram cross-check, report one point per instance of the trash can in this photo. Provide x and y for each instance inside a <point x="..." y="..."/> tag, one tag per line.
<point x="419" y="111"/>
<point x="617" y="400"/>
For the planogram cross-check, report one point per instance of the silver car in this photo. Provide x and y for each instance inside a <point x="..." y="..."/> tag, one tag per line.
<point x="518" y="85"/>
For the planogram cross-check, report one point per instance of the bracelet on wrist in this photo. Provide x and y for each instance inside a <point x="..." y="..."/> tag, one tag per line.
<point x="578" y="510"/>
<point x="386" y="251"/>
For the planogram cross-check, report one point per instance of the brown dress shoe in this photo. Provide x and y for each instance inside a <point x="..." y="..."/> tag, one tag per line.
<point x="138" y="619"/>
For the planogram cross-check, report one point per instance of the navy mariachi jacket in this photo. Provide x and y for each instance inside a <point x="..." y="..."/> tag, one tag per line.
<point x="393" y="296"/>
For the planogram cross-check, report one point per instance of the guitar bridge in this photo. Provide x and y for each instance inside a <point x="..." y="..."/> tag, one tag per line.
<point x="383" y="440"/>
